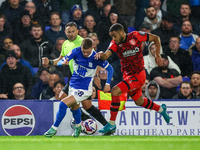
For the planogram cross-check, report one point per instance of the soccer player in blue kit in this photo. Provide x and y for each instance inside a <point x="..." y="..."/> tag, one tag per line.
<point x="80" y="85"/>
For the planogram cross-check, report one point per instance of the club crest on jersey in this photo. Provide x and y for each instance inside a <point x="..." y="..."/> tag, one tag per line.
<point x="90" y="64"/>
<point x="120" y="45"/>
<point x="132" y="42"/>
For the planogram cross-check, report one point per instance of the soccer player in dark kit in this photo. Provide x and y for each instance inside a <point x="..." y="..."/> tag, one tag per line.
<point x="129" y="48"/>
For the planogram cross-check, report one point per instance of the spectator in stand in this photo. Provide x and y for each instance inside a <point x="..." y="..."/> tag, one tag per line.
<point x="90" y="23"/>
<point x="42" y="82"/>
<point x="14" y="72"/>
<point x="194" y="52"/>
<point x="152" y="18"/>
<point x="56" y="30"/>
<point x="36" y="17"/>
<point x="35" y="48"/>
<point x="5" y="30"/>
<point x="180" y="56"/>
<point x="76" y="15"/>
<point x="187" y="37"/>
<point x="6" y="45"/>
<point x="127" y="10"/>
<point x="195" y="81"/>
<point x="19" y="92"/>
<point x="150" y="63"/>
<point x="95" y="40"/>
<point x="56" y="53"/>
<point x="107" y="10"/>
<point x="65" y="7"/>
<point x="57" y="88"/>
<point x="83" y="31"/>
<point x="97" y="11"/>
<point x="152" y="90"/>
<point x="141" y="13"/>
<point x="45" y="7"/>
<point x="145" y="27"/>
<point x="145" y="86"/>
<point x="165" y="31"/>
<point x="48" y="92"/>
<point x="12" y="12"/>
<point x="185" y="14"/>
<point x="18" y="54"/>
<point x="167" y="79"/>
<point x="186" y="92"/>
<point x="22" y="31"/>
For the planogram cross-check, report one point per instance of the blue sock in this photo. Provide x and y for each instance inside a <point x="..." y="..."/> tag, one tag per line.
<point x="60" y="114"/>
<point x="77" y="115"/>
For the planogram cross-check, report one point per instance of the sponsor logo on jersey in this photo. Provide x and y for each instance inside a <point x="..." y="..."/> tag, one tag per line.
<point x="130" y="52"/>
<point x="18" y="120"/>
<point x="69" y="53"/>
<point x="132" y="42"/>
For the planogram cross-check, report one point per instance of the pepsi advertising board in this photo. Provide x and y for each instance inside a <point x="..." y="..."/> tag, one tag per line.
<point x="27" y="117"/>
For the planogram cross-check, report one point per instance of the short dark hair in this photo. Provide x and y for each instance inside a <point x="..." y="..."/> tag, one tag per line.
<point x="194" y="72"/>
<point x="186" y="82"/>
<point x="56" y="83"/>
<point x="87" y="43"/>
<point x="185" y="3"/>
<point x="71" y="24"/>
<point x="2" y="16"/>
<point x="116" y="27"/>
<point x="179" y="39"/>
<point x="55" y="13"/>
<point x="37" y="25"/>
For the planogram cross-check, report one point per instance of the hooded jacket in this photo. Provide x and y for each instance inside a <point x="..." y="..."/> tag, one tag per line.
<point x="147" y="89"/>
<point x="152" y="25"/>
<point x="150" y="63"/>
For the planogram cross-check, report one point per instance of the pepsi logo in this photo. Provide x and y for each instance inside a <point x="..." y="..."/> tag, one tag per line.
<point x="18" y="120"/>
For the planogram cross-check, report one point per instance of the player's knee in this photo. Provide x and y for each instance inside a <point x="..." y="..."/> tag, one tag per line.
<point x="139" y="102"/>
<point x="116" y="91"/>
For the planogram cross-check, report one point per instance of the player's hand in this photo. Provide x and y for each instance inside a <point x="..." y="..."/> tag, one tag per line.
<point x="97" y="82"/>
<point x="158" y="60"/>
<point x="4" y="96"/>
<point x="45" y="61"/>
<point x="99" y="55"/>
<point x="106" y="88"/>
<point x="65" y="62"/>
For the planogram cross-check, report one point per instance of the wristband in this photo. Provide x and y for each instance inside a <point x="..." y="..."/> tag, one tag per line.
<point x="96" y="75"/>
<point x="50" y="62"/>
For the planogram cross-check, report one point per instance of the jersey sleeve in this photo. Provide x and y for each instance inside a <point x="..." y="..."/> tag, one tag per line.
<point x="71" y="54"/>
<point x="141" y="36"/>
<point x="102" y="63"/>
<point x="113" y="46"/>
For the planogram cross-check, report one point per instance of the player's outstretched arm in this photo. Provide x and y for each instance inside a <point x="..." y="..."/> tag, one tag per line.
<point x="46" y="61"/>
<point x="103" y="56"/>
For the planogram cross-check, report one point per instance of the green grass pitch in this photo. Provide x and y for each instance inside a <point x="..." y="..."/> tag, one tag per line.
<point x="100" y="143"/>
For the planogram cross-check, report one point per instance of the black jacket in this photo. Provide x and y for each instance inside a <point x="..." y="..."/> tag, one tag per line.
<point x="182" y="59"/>
<point x="33" y="51"/>
<point x="180" y="96"/>
<point x="9" y="77"/>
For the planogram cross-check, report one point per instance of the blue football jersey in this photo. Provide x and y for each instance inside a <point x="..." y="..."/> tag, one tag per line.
<point x="84" y="68"/>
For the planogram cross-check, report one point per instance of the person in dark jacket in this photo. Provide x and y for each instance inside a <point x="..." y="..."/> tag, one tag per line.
<point x="12" y="73"/>
<point x="22" y="31"/>
<point x="180" y="56"/>
<point x="185" y="92"/>
<point x="35" y="48"/>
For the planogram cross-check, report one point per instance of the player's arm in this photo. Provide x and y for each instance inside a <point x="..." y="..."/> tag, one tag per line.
<point x="54" y="62"/>
<point x="97" y="80"/>
<point x="103" y="56"/>
<point x="156" y="39"/>
<point x="110" y="71"/>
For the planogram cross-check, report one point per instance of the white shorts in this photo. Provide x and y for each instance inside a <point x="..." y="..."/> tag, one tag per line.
<point x="79" y="94"/>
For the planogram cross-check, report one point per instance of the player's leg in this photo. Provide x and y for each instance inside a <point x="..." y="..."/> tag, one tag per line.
<point x="114" y="108"/>
<point x="59" y="115"/>
<point x="87" y="105"/>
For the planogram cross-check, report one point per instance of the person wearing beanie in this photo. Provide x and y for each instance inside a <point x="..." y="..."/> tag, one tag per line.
<point x="22" y="31"/>
<point x="13" y="72"/>
<point x="83" y="31"/>
<point x="76" y="15"/>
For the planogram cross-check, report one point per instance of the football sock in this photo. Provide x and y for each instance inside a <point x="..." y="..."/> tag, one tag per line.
<point x="77" y="115"/>
<point x="84" y="116"/>
<point x="60" y="114"/>
<point x="149" y="104"/>
<point x="97" y="115"/>
<point x="114" y="107"/>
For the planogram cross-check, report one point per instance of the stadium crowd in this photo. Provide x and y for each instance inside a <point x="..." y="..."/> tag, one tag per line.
<point x="33" y="29"/>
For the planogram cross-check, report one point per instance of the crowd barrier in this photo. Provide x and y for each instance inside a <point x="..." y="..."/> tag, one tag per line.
<point x="34" y="117"/>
